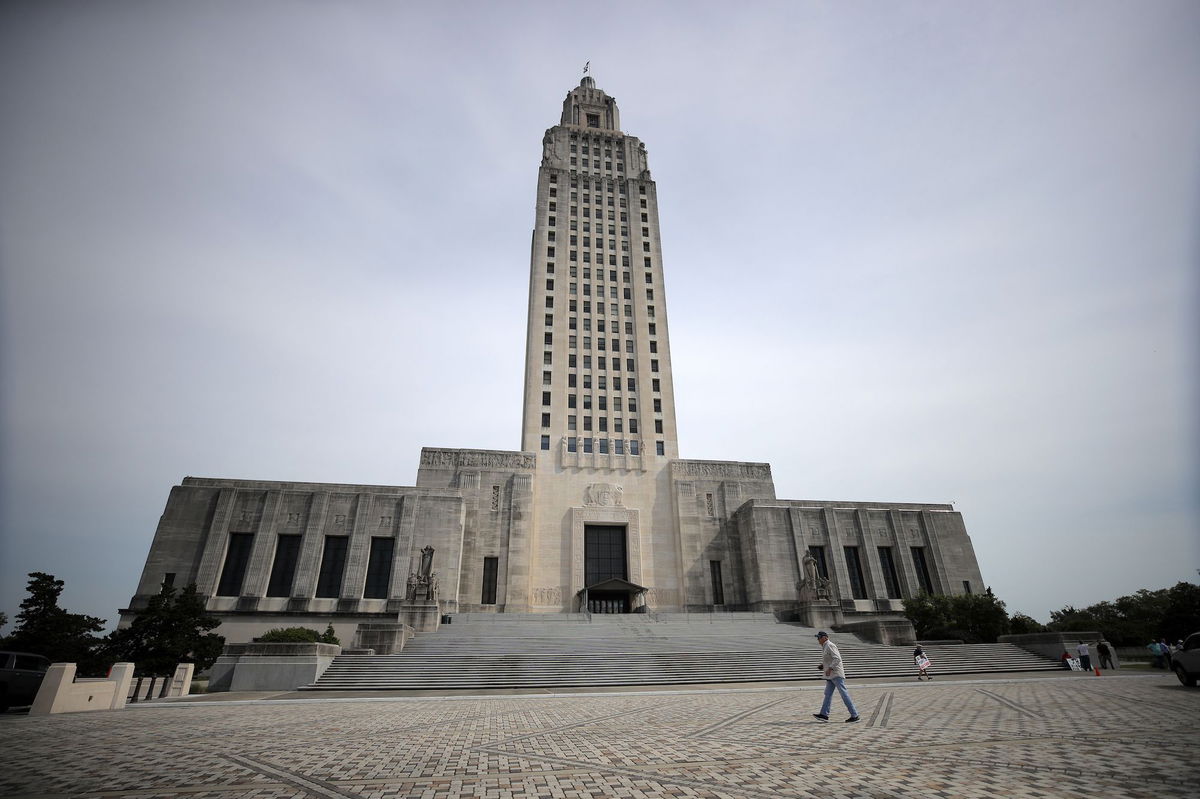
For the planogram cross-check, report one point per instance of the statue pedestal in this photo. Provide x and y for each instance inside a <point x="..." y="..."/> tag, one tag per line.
<point x="423" y="617"/>
<point x="819" y="613"/>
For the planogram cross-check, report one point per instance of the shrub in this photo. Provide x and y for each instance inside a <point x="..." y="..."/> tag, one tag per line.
<point x="289" y="635"/>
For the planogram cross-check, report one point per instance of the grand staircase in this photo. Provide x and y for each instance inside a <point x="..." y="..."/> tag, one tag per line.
<point x="484" y="650"/>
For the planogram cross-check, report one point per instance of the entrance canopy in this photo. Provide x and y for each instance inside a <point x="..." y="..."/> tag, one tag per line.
<point x="613" y="595"/>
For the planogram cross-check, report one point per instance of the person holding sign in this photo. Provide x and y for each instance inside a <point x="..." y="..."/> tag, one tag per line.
<point x="921" y="661"/>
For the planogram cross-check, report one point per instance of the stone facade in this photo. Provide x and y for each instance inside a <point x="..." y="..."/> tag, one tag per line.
<point x="598" y="491"/>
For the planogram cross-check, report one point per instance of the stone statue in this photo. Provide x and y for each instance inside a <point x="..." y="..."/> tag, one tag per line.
<point x="548" y="151"/>
<point x="813" y="586"/>
<point x="810" y="568"/>
<point x="423" y="584"/>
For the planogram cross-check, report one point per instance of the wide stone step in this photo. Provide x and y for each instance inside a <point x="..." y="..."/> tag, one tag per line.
<point x="532" y="669"/>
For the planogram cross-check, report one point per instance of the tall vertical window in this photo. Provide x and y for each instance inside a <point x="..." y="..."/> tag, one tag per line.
<point x="283" y="570"/>
<point x="237" y="558"/>
<point x="818" y="554"/>
<point x="967" y="587"/>
<point x="379" y="568"/>
<point x="333" y="566"/>
<point x="490" y="568"/>
<point x="858" y="586"/>
<point x="922" y="567"/>
<point x="714" y="570"/>
<point x="890" y="579"/>
<point x="604" y="553"/>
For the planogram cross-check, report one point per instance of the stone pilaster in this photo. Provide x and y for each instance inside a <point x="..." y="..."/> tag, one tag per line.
<point x="215" y="543"/>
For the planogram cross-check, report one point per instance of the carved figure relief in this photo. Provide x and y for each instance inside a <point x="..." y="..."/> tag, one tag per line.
<point x="339" y="520"/>
<point x="603" y="495"/>
<point x="495" y="497"/>
<point x="385" y="521"/>
<point x="547" y="595"/>
<point x="293" y="519"/>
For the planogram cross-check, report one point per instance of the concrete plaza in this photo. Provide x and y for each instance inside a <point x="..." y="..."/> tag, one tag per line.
<point x="1039" y="736"/>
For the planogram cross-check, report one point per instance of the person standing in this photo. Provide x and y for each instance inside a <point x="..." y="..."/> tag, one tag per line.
<point x="1085" y="660"/>
<point x="1157" y="653"/>
<point x="1165" y="648"/>
<point x="835" y="677"/>
<point x="921" y="661"/>
<point x="1106" y="661"/>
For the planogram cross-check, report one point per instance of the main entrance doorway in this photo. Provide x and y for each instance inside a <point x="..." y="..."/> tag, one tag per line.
<point x="605" y="559"/>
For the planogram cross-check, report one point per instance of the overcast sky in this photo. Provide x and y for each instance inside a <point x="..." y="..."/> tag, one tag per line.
<point x="914" y="252"/>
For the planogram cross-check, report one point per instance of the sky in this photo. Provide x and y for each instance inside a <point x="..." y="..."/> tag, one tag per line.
<point x="913" y="252"/>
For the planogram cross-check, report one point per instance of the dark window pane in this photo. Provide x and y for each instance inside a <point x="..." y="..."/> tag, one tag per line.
<point x="490" y="567"/>
<point x="283" y="571"/>
<point x="714" y="568"/>
<point x="854" y="567"/>
<point x="922" y="567"/>
<point x="818" y="554"/>
<point x="890" y="579"/>
<point x="604" y="551"/>
<point x="379" y="568"/>
<point x="333" y="564"/>
<point x="237" y="557"/>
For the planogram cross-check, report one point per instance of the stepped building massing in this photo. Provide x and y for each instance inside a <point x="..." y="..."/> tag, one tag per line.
<point x="597" y="512"/>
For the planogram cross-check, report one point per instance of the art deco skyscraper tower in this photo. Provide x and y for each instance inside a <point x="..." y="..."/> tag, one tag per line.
<point x="598" y="386"/>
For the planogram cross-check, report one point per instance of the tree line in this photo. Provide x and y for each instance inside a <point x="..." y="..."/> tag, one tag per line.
<point x="1171" y="613"/>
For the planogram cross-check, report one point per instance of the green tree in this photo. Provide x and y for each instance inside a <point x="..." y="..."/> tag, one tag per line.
<point x="1020" y="624"/>
<point x="1136" y="619"/>
<point x="172" y="629"/>
<point x="46" y="629"/>
<point x="328" y="637"/>
<point x="974" y="618"/>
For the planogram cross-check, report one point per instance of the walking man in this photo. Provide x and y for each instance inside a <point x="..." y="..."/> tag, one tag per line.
<point x="835" y="677"/>
<point x="1106" y="661"/>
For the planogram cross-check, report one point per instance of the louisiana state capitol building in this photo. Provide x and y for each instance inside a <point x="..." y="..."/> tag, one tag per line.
<point x="596" y="512"/>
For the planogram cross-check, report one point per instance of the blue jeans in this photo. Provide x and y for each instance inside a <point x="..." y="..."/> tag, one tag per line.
<point x="840" y="684"/>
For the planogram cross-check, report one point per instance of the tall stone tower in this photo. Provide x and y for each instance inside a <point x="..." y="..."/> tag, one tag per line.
<point x="598" y="358"/>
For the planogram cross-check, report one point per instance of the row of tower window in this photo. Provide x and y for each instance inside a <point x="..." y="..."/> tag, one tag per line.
<point x="887" y="567"/>
<point x="605" y="446"/>
<point x="612" y="243"/>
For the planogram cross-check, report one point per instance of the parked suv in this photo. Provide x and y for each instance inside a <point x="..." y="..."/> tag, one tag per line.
<point x="1186" y="661"/>
<point x="20" y="677"/>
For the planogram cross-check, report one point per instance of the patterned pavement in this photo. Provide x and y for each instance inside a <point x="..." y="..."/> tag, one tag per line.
<point x="1127" y="736"/>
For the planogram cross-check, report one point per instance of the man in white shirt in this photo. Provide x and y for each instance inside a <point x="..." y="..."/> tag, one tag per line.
<point x="835" y="677"/>
<point x="1085" y="659"/>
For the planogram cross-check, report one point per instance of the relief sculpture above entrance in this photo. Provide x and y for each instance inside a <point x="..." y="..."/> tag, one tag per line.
<point x="603" y="495"/>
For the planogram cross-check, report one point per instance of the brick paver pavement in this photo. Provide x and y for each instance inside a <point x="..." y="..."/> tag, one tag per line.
<point x="1128" y="736"/>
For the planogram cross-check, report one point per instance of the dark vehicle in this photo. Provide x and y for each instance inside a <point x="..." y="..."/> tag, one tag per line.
<point x="20" y="677"/>
<point x="1186" y="661"/>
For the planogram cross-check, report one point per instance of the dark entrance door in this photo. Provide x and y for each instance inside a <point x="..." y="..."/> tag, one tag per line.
<point x="608" y="602"/>
<point x="604" y="559"/>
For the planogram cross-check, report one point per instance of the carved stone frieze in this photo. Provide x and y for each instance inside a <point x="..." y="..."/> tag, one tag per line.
<point x="721" y="469"/>
<point x="465" y="458"/>
<point x="547" y="595"/>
